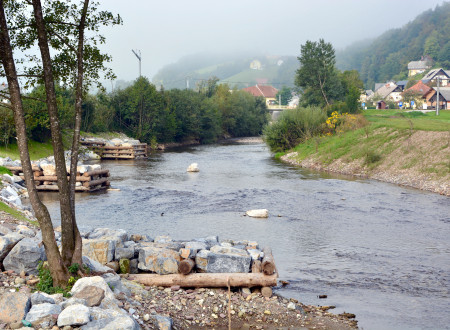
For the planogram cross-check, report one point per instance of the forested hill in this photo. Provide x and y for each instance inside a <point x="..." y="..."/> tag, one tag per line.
<point x="240" y="70"/>
<point x="387" y="56"/>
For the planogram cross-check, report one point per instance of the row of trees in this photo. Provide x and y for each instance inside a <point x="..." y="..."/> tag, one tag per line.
<point x="143" y="112"/>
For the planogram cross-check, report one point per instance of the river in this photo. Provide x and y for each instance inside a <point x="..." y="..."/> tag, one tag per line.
<point x="377" y="250"/>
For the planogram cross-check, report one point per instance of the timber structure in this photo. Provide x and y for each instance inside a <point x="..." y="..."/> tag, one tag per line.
<point x="130" y="151"/>
<point x="262" y="274"/>
<point x="85" y="182"/>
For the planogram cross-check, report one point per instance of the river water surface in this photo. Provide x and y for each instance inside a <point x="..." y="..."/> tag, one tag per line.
<point x="377" y="250"/>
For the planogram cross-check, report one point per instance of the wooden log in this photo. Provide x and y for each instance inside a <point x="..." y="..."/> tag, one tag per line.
<point x="93" y="183"/>
<point x="116" y="157"/>
<point x="54" y="187"/>
<point x="105" y="148"/>
<point x="97" y="172"/>
<point x="119" y="152"/>
<point x="185" y="266"/>
<point x="256" y="266"/>
<point x="54" y="178"/>
<point x="206" y="280"/>
<point x="38" y="173"/>
<point x="268" y="263"/>
<point x="19" y="168"/>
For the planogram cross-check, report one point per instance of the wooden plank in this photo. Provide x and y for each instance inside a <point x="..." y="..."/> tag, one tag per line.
<point x="206" y="280"/>
<point x="54" y="187"/>
<point x="268" y="263"/>
<point x="117" y="157"/>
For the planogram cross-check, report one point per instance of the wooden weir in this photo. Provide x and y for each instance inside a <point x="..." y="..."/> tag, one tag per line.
<point x="117" y="152"/>
<point x="87" y="182"/>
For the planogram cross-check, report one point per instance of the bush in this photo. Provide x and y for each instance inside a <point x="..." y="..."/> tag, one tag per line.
<point x="293" y="127"/>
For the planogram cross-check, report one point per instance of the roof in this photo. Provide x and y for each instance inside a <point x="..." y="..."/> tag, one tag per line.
<point x="420" y="87"/>
<point x="418" y="65"/>
<point x="433" y="73"/>
<point x="368" y="92"/>
<point x="266" y="91"/>
<point x="387" y="89"/>
<point x="402" y="82"/>
<point x="444" y="91"/>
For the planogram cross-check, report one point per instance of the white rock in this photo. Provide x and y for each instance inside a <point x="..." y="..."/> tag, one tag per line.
<point x="94" y="281"/>
<point x="49" y="169"/>
<point x="261" y="213"/>
<point x="193" y="168"/>
<point x="74" y="315"/>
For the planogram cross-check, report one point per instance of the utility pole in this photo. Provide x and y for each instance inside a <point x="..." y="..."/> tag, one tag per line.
<point x="138" y="55"/>
<point x="141" y="110"/>
<point x="437" y="96"/>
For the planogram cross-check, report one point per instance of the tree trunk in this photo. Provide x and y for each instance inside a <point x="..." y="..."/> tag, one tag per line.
<point x="77" y="251"/>
<point x="206" y="280"/>
<point x="68" y="224"/>
<point x="59" y="272"/>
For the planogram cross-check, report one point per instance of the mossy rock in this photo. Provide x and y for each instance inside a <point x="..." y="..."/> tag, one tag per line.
<point x="124" y="266"/>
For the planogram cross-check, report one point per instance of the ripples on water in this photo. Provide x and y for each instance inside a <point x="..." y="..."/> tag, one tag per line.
<point x="377" y="250"/>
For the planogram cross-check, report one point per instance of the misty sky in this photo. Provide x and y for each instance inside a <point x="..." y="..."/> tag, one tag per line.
<point x="165" y="31"/>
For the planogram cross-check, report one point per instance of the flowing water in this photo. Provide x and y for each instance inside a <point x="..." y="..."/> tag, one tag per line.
<point x="377" y="250"/>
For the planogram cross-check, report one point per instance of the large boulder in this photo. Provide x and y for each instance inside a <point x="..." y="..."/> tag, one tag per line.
<point x="93" y="295"/>
<point x="25" y="256"/>
<point x="123" y="322"/>
<point x="162" y="322"/>
<point x="95" y="266"/>
<point x="41" y="315"/>
<point x="74" y="315"/>
<point x="118" y="235"/>
<point x="13" y="306"/>
<point x="96" y="281"/>
<point x="101" y="250"/>
<point x="124" y="252"/>
<point x="41" y="298"/>
<point x="211" y="262"/>
<point x="49" y="169"/>
<point x="159" y="260"/>
<point x="114" y="281"/>
<point x="7" y="243"/>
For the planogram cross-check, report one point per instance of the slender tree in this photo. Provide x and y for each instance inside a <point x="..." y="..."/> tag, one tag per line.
<point x="60" y="26"/>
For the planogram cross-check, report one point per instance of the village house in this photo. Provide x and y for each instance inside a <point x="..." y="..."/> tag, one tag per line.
<point x="443" y="75"/>
<point x="268" y="92"/>
<point x="444" y="98"/>
<point x="365" y="95"/>
<point x="422" y="91"/>
<point x="416" y="67"/>
<point x="389" y="92"/>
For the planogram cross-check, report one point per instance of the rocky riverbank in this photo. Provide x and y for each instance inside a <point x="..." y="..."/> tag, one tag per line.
<point x="108" y="300"/>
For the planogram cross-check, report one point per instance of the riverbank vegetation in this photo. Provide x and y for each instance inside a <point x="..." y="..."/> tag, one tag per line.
<point x="150" y="115"/>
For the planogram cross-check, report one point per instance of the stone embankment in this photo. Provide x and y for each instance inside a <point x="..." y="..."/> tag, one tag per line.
<point x="111" y="301"/>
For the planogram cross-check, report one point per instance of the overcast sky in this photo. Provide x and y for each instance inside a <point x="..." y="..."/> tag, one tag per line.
<point x="165" y="31"/>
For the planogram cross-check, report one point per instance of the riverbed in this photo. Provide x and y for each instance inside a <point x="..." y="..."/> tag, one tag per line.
<point x="377" y="250"/>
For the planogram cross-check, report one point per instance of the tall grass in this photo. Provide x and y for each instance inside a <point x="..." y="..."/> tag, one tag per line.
<point x="293" y="127"/>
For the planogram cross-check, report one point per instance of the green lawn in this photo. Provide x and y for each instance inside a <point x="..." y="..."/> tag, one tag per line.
<point x="404" y="120"/>
<point x="16" y="214"/>
<point x="37" y="150"/>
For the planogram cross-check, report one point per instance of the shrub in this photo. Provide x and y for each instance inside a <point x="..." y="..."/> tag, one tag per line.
<point x="293" y="127"/>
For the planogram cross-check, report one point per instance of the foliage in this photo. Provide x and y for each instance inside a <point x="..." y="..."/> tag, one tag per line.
<point x="7" y="127"/>
<point x="45" y="283"/>
<point x="317" y="76"/>
<point x="387" y="56"/>
<point x="4" y="170"/>
<point x="285" y="94"/>
<point x="294" y="126"/>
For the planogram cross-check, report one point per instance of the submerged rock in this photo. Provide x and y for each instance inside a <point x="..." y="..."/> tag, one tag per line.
<point x="193" y="168"/>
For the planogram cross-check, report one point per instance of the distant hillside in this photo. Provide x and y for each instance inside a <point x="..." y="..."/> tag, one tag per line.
<point x="238" y="70"/>
<point x="387" y="56"/>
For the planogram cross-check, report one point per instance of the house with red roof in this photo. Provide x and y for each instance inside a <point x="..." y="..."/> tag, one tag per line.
<point x="266" y="91"/>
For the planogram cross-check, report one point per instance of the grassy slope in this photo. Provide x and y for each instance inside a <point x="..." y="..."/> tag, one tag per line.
<point x="408" y="148"/>
<point x="37" y="150"/>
